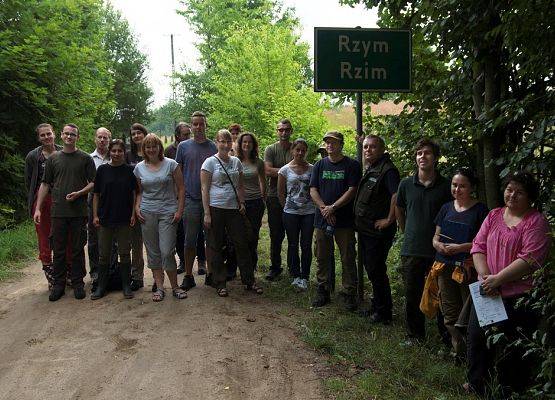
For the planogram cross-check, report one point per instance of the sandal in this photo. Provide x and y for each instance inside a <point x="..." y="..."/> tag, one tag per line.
<point x="256" y="289"/>
<point x="222" y="292"/>
<point x="179" y="293"/>
<point x="158" y="295"/>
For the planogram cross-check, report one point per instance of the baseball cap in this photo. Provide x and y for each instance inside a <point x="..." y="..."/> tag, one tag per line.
<point x="335" y="135"/>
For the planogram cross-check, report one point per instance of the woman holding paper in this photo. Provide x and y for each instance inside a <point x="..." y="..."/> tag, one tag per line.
<point x="457" y="223"/>
<point x="512" y="242"/>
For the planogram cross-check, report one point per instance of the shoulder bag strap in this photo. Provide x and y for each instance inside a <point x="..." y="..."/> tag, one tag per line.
<point x="230" y="181"/>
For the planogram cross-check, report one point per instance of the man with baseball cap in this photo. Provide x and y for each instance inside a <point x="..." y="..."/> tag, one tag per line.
<point x="333" y="187"/>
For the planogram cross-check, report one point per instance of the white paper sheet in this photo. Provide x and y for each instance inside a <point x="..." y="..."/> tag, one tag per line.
<point x="489" y="310"/>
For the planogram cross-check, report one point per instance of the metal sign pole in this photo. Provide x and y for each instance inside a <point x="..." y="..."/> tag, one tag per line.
<point x="360" y="266"/>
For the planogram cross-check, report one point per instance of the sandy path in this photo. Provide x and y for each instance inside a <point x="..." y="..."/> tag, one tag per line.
<point x="199" y="348"/>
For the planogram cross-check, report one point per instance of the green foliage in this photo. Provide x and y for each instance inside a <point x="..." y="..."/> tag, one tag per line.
<point x="17" y="245"/>
<point x="12" y="188"/>
<point x="256" y="71"/>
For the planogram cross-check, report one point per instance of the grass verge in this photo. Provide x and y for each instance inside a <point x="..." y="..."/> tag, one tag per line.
<point x="368" y="361"/>
<point x="17" y="246"/>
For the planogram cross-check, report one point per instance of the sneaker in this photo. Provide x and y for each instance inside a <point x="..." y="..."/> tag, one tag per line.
<point x="188" y="282"/>
<point x="303" y="284"/>
<point x="273" y="274"/>
<point x="79" y="293"/>
<point x="136" y="284"/>
<point x="376" y="318"/>
<point x="349" y="301"/>
<point x="295" y="282"/>
<point x="56" y="294"/>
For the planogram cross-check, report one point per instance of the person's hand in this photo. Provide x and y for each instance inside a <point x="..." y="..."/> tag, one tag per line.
<point x="242" y="209"/>
<point x="326" y="211"/>
<point x="36" y="217"/>
<point x="441" y="249"/>
<point x="96" y="222"/>
<point x="331" y="220"/>
<point x="382" y="224"/>
<point x="139" y="216"/>
<point x="72" y="196"/>
<point x="491" y="284"/>
<point x="207" y="221"/>
<point x="177" y="216"/>
<point x="132" y="221"/>
<point x="452" y="248"/>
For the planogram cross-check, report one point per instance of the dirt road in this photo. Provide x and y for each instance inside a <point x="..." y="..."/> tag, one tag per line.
<point x="203" y="347"/>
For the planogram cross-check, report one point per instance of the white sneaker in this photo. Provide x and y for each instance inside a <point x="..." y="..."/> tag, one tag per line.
<point x="303" y="284"/>
<point x="295" y="282"/>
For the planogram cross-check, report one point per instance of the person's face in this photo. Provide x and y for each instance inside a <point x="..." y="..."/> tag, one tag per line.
<point x="184" y="133"/>
<point x="425" y="159"/>
<point x="198" y="125"/>
<point x="46" y="136"/>
<point x="284" y="131"/>
<point x="333" y="146"/>
<point x="516" y="197"/>
<point x="234" y="134"/>
<point x="69" y="135"/>
<point x="461" y="189"/>
<point x="224" y="145"/>
<point x="116" y="154"/>
<point x="372" y="150"/>
<point x="137" y="136"/>
<point x="151" y="151"/>
<point x="101" y="140"/>
<point x="299" y="152"/>
<point x="247" y="145"/>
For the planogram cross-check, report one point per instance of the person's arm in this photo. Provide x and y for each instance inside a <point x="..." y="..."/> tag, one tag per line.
<point x="43" y="191"/>
<point x="262" y="180"/>
<point x="282" y="189"/>
<point x="133" y="218"/>
<point x="138" y="199"/>
<point x="75" y="195"/>
<point x="28" y="170"/>
<point x="241" y="193"/>
<point x="96" y="220"/>
<point x="343" y="200"/>
<point x="401" y="217"/>
<point x="178" y="182"/>
<point x="385" y="222"/>
<point x="438" y="245"/>
<point x="512" y="272"/>
<point x="270" y="170"/>
<point x="205" y="182"/>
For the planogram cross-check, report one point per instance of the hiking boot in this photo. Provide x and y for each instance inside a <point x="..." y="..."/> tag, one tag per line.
<point x="101" y="283"/>
<point x="376" y="318"/>
<point x="322" y="297"/>
<point x="208" y="280"/>
<point x="136" y="284"/>
<point x="56" y="293"/>
<point x="273" y="274"/>
<point x="125" y="274"/>
<point x="79" y="293"/>
<point x="201" y="267"/>
<point x="188" y="282"/>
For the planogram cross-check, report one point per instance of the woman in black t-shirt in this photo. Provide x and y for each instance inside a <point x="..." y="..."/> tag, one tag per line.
<point x="457" y="223"/>
<point x="114" y="216"/>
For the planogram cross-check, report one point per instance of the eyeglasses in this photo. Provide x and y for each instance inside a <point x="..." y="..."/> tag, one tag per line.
<point x="71" y="134"/>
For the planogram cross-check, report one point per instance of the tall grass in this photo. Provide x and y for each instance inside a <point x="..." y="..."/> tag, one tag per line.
<point x="17" y="246"/>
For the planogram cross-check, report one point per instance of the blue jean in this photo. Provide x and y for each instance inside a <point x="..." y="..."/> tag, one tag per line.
<point x="299" y="227"/>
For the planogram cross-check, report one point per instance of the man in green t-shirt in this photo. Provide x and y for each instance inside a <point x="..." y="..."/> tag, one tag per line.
<point x="419" y="199"/>
<point x="69" y="176"/>
<point x="276" y="156"/>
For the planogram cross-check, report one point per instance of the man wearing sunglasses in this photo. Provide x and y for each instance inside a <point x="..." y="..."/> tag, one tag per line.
<point x="276" y="156"/>
<point x="69" y="174"/>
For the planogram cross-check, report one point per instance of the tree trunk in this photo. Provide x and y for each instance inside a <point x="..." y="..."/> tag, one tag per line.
<point x="478" y="106"/>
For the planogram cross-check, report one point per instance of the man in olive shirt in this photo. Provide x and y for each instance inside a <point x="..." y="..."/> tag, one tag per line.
<point x="69" y="174"/>
<point x="276" y="156"/>
<point x="419" y="199"/>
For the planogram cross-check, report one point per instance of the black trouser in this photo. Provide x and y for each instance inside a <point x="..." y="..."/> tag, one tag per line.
<point x="374" y="255"/>
<point x="180" y="243"/>
<point x="515" y="372"/>
<point x="69" y="231"/>
<point x="254" y="211"/>
<point x="277" y="231"/>
<point x="414" y="271"/>
<point x="201" y="251"/>
<point x="231" y="221"/>
<point x="92" y="245"/>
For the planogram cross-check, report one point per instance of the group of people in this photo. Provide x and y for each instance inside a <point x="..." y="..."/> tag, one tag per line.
<point x="205" y="199"/>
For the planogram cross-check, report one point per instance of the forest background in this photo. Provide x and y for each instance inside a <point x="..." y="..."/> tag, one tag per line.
<point x="483" y="85"/>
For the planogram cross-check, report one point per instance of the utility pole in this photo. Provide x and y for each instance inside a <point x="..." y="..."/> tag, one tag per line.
<point x="174" y="99"/>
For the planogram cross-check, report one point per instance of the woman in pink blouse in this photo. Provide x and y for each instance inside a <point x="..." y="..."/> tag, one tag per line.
<point x="512" y="243"/>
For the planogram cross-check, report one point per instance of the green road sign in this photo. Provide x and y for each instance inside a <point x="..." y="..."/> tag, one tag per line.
<point x="362" y="60"/>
